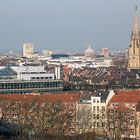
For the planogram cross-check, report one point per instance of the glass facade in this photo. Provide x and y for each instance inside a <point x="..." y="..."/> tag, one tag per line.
<point x="33" y="86"/>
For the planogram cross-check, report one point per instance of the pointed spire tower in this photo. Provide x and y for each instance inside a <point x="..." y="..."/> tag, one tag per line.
<point x="134" y="47"/>
<point x="136" y="26"/>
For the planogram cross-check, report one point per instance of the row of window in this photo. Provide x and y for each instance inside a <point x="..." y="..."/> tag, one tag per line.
<point x="95" y="100"/>
<point x="98" y="124"/>
<point x="33" y="72"/>
<point x="30" y="85"/>
<point x="37" y="78"/>
<point x="99" y="116"/>
<point x="12" y="91"/>
<point x="98" y="108"/>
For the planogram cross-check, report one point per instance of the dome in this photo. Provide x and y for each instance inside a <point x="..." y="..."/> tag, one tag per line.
<point x="89" y="52"/>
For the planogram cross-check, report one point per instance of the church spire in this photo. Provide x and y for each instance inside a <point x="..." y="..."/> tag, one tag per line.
<point x="136" y="27"/>
<point x="134" y="48"/>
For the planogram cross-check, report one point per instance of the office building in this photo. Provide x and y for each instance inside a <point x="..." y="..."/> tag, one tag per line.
<point x="94" y="104"/>
<point x="28" y="50"/>
<point x="29" y="79"/>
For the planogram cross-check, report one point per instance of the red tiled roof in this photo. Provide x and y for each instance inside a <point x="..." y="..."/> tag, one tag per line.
<point x="133" y="92"/>
<point x="125" y="98"/>
<point x="50" y="97"/>
<point x="122" y="97"/>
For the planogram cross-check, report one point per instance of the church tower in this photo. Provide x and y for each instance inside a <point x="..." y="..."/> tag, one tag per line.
<point x="134" y="47"/>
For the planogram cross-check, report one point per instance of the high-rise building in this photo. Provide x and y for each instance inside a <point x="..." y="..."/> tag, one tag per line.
<point x="134" y="47"/>
<point x="104" y="52"/>
<point x="28" y="50"/>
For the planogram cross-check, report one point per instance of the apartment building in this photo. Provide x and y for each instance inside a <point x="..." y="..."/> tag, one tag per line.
<point x="95" y="103"/>
<point x="123" y="111"/>
<point x="138" y="120"/>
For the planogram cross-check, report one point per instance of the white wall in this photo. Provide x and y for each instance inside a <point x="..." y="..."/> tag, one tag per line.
<point x="27" y="72"/>
<point x="19" y="69"/>
<point x="21" y="76"/>
<point x="57" y="73"/>
<point x="111" y="93"/>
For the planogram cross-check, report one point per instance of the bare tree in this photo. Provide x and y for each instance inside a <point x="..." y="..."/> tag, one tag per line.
<point x="83" y="119"/>
<point x="120" y="123"/>
<point x="39" y="118"/>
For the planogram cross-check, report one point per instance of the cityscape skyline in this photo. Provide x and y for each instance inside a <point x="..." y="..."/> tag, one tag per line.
<point x="67" y="25"/>
<point x="69" y="70"/>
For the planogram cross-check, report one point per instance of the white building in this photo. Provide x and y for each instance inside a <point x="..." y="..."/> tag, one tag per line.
<point x="35" y="73"/>
<point x="99" y="105"/>
<point x="105" y="52"/>
<point x="89" y="52"/>
<point x="29" y="79"/>
<point x="28" y="50"/>
<point x="78" y="62"/>
<point x="96" y="102"/>
<point x="47" y="53"/>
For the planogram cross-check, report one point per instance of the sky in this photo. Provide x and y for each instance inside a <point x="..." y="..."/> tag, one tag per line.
<point x="66" y="25"/>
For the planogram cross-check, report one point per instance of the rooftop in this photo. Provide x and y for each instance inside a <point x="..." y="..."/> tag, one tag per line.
<point x="86" y="96"/>
<point x="126" y="96"/>
<point x="128" y="92"/>
<point x="102" y="94"/>
<point x="53" y="97"/>
<point x="7" y="72"/>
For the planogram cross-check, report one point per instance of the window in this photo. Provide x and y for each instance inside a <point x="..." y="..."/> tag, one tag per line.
<point x="97" y="116"/>
<point x="94" y="124"/>
<point x="103" y="124"/>
<point x="94" y="116"/>
<point x="103" y="116"/>
<point x="103" y="108"/>
<point x="94" y="108"/>
<point x="94" y="100"/>
<point x="97" y="124"/>
<point x="116" y="104"/>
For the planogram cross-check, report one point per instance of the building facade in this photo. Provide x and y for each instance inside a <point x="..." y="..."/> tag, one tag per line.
<point x="134" y="47"/>
<point x="29" y="79"/>
<point x="94" y="106"/>
<point x="89" y="52"/>
<point x="138" y="120"/>
<point x="105" y="52"/>
<point x="47" y="53"/>
<point x="28" y="50"/>
<point x="123" y="114"/>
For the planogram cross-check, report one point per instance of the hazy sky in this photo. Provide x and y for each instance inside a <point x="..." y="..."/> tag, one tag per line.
<point x="66" y="25"/>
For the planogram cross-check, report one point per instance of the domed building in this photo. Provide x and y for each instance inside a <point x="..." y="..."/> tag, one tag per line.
<point x="89" y="52"/>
